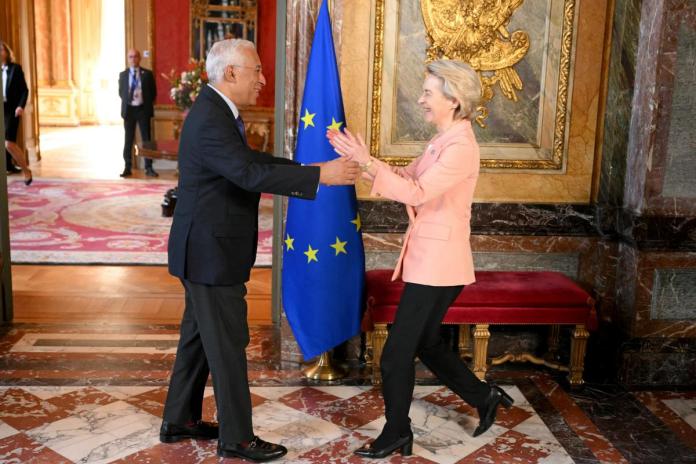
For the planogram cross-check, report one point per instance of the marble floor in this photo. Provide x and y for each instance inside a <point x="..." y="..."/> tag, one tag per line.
<point x="95" y="392"/>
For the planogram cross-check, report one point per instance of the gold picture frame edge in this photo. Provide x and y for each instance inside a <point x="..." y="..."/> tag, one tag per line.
<point x="561" y="122"/>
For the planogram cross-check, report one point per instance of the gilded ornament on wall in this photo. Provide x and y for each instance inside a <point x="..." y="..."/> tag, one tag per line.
<point x="475" y="31"/>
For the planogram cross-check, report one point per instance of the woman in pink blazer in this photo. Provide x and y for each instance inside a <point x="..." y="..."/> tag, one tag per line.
<point x="435" y="263"/>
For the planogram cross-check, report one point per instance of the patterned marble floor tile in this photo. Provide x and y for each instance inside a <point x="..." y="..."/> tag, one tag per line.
<point x="184" y="452"/>
<point x="273" y="393"/>
<point x="6" y="430"/>
<point x="24" y="411"/>
<point x="305" y="434"/>
<point x="340" y="451"/>
<point x="676" y="410"/>
<point x="684" y="408"/>
<point x="344" y="392"/>
<point x="514" y="447"/>
<point x="20" y="449"/>
<point x="121" y="393"/>
<point x="46" y="393"/>
<point x="100" y="435"/>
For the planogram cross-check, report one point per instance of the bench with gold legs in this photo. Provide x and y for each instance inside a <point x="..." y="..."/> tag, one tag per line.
<point x="497" y="297"/>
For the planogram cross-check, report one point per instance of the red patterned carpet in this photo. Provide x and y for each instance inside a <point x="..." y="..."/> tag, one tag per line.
<point x="99" y="222"/>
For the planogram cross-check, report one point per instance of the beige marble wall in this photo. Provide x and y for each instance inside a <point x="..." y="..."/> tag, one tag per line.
<point x="573" y="184"/>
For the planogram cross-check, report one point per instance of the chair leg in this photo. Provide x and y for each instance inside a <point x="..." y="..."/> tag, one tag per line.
<point x="578" y="347"/>
<point x="368" y="348"/>
<point x="465" y="341"/>
<point x="481" y="337"/>
<point x="553" y="342"/>
<point x="379" y="338"/>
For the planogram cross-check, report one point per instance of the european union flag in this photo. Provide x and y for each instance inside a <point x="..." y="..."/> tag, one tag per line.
<point x="323" y="260"/>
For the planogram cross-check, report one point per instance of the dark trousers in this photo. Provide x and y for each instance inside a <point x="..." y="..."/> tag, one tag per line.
<point x="416" y="332"/>
<point x="135" y="115"/>
<point x="214" y="336"/>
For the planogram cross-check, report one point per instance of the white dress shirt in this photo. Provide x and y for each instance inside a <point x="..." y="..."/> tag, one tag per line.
<point x="229" y="102"/>
<point x="4" y="82"/>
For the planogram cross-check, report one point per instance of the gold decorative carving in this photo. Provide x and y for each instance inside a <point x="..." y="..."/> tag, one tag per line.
<point x="379" y="338"/>
<point x="476" y="33"/>
<point x="578" y="346"/>
<point x="481" y="338"/>
<point x="562" y="107"/>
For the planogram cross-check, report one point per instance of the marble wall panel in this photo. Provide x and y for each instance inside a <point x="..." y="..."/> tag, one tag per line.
<point x="620" y="85"/>
<point x="674" y="294"/>
<point x="682" y="267"/>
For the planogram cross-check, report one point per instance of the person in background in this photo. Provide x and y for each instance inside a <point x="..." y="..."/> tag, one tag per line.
<point x="137" y="89"/>
<point x="15" y="94"/>
<point x="436" y="261"/>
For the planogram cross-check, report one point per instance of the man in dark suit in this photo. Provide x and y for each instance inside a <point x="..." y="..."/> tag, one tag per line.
<point x="136" y="87"/>
<point x="212" y="248"/>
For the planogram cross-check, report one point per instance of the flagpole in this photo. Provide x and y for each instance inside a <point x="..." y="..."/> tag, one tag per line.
<point x="323" y="369"/>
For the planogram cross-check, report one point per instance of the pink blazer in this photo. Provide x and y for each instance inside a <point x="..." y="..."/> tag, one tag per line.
<point x="437" y="189"/>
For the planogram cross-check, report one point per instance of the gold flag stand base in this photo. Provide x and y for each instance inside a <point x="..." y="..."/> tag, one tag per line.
<point x="324" y="370"/>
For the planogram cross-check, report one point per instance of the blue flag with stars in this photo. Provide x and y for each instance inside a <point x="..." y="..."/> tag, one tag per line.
<point x="323" y="259"/>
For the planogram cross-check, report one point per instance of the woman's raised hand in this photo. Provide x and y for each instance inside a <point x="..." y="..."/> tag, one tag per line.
<point x="349" y="146"/>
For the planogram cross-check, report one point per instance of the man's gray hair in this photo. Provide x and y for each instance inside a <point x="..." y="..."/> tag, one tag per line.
<point x="223" y="54"/>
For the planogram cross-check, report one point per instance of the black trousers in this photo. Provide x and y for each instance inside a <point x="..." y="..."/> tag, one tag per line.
<point x="416" y="332"/>
<point x="135" y="115"/>
<point x="214" y="337"/>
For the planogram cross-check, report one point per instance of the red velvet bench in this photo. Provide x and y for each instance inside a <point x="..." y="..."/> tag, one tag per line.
<point x="497" y="297"/>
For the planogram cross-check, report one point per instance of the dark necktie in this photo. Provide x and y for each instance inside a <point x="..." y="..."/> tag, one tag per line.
<point x="242" y="130"/>
<point x="134" y="84"/>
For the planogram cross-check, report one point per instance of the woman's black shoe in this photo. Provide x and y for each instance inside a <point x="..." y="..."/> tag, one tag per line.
<point x="490" y="407"/>
<point x="405" y="444"/>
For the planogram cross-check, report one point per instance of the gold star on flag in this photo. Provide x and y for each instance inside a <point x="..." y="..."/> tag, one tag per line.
<point x="308" y="118"/>
<point x="335" y="125"/>
<point x="289" y="242"/>
<point x="311" y="255"/>
<point x="339" y="246"/>
<point x="357" y="222"/>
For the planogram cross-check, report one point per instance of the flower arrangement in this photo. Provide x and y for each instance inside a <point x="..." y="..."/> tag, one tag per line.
<point x="188" y="84"/>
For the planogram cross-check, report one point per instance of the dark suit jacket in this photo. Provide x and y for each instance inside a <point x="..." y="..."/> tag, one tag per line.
<point x="215" y="228"/>
<point x="17" y="91"/>
<point x="148" y="86"/>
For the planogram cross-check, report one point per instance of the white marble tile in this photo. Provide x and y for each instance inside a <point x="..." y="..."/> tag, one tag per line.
<point x="123" y="392"/>
<point x="6" y="430"/>
<point x="343" y="392"/>
<point x="449" y="442"/>
<point x="421" y="391"/>
<point x="269" y="416"/>
<point x="273" y="393"/>
<point x="50" y="392"/>
<point x="536" y="428"/>
<point x="306" y="434"/>
<point x="684" y="408"/>
<point x="101" y="435"/>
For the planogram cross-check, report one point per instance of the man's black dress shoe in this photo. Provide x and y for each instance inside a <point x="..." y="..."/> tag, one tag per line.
<point x="256" y="450"/>
<point x="151" y="173"/>
<point x="126" y="173"/>
<point x="405" y="444"/>
<point x="13" y="170"/>
<point x="199" y="430"/>
<point x="488" y="410"/>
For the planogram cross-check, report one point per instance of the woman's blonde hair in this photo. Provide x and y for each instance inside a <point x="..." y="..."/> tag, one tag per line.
<point x="460" y="83"/>
<point x="8" y="50"/>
